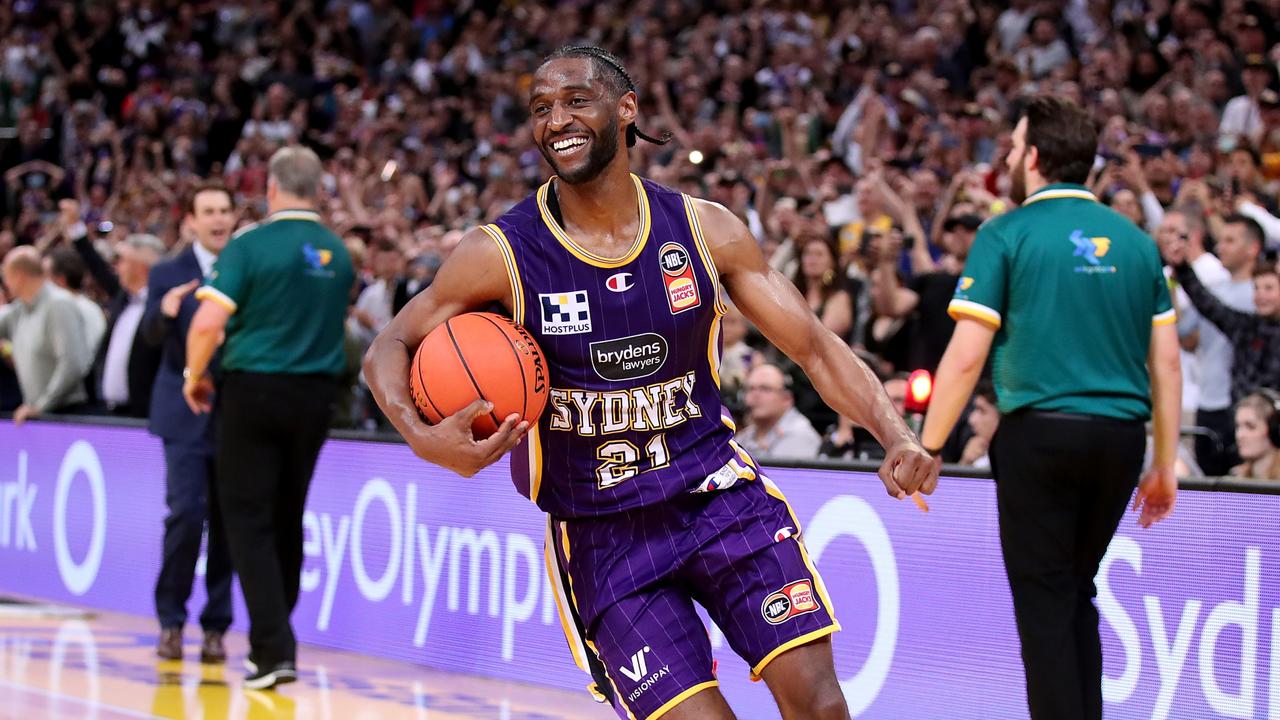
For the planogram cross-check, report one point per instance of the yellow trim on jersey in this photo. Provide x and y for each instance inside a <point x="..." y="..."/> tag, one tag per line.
<point x="245" y="229"/>
<point x="713" y="346"/>
<point x="1168" y="317"/>
<point x="728" y="422"/>
<point x="1060" y="194"/>
<point x="586" y="256"/>
<point x="797" y="642"/>
<point x="974" y="311"/>
<point x="704" y="250"/>
<point x="571" y="636"/>
<point x="513" y="271"/>
<point x="743" y="472"/>
<point x="309" y="215"/>
<point x="670" y="705"/>
<point x="742" y="453"/>
<point x="208" y="292"/>
<point x="535" y="462"/>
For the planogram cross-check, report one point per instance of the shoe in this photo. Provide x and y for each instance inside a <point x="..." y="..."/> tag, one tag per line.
<point x="278" y="674"/>
<point x="170" y="645"/>
<point x="250" y="665"/>
<point x="212" y="650"/>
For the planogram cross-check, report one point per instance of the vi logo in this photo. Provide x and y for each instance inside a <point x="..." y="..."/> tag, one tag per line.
<point x="639" y="667"/>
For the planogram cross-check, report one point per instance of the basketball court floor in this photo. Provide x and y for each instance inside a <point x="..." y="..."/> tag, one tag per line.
<point x="104" y="666"/>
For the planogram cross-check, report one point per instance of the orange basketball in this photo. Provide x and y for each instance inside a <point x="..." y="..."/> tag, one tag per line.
<point x="479" y="356"/>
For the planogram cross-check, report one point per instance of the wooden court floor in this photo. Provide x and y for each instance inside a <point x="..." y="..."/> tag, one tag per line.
<point x="105" y="667"/>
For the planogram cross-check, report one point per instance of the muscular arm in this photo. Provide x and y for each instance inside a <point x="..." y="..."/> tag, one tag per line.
<point x="472" y="278"/>
<point x="957" y="375"/>
<point x="843" y="381"/>
<point x="1164" y="364"/>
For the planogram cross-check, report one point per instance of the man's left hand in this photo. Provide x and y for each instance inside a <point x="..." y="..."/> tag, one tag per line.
<point x="908" y="468"/>
<point x="198" y="393"/>
<point x="24" y="413"/>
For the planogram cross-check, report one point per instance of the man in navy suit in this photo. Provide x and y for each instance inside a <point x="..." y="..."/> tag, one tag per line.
<point x="187" y="437"/>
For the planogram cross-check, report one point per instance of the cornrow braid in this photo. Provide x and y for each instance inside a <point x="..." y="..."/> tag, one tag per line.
<point x="616" y="78"/>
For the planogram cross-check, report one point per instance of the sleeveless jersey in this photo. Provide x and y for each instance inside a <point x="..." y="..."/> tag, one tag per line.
<point x="632" y="347"/>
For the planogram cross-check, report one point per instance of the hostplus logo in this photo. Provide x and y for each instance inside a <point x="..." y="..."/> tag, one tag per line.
<point x="639" y="673"/>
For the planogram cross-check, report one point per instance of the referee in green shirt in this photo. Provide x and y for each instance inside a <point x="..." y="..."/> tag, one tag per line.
<point x="1070" y="299"/>
<point x="279" y="292"/>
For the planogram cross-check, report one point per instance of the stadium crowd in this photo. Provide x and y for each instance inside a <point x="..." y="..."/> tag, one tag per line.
<point x="862" y="142"/>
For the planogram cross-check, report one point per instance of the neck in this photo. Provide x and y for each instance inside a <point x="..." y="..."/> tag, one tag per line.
<point x="1035" y="183"/>
<point x="1243" y="273"/>
<point x="604" y="204"/>
<point x="134" y="288"/>
<point x="202" y="245"/>
<point x="1262" y="466"/>
<point x="285" y="201"/>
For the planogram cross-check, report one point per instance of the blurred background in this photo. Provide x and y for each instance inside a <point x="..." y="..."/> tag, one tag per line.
<point x="863" y="143"/>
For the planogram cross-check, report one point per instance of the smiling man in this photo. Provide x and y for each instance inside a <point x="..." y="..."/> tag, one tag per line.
<point x="637" y="461"/>
<point x="187" y="437"/>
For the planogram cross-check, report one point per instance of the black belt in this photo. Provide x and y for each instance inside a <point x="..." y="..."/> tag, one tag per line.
<point x="1078" y="417"/>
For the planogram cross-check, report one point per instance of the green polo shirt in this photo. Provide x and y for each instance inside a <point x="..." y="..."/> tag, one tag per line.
<point x="1073" y="289"/>
<point x="287" y="282"/>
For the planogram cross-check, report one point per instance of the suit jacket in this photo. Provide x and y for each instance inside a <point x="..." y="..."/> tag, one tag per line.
<point x="144" y="359"/>
<point x="171" y="419"/>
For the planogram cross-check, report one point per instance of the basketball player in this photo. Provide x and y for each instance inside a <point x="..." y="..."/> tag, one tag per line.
<point x="652" y="505"/>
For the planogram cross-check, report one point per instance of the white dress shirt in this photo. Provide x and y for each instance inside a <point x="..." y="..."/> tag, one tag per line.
<point x="115" y="369"/>
<point x="205" y="257"/>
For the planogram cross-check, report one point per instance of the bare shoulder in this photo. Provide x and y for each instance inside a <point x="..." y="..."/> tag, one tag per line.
<point x="732" y="245"/>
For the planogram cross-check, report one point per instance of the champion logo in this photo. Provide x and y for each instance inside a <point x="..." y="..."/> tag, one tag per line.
<point x="619" y="282"/>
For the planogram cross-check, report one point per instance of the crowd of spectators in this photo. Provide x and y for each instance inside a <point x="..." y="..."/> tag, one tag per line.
<point x="863" y="143"/>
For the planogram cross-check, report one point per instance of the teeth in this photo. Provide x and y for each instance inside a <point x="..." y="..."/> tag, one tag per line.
<point x="568" y="143"/>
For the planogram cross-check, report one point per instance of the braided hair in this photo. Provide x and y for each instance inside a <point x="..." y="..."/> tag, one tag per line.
<point x="616" y="79"/>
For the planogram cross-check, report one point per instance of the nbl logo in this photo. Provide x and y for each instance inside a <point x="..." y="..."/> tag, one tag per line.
<point x="674" y="259"/>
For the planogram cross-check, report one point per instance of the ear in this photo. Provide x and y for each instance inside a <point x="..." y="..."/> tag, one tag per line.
<point x="1031" y="157"/>
<point x="628" y="108"/>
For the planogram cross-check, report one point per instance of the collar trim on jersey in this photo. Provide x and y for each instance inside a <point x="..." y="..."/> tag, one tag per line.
<point x="295" y="214"/>
<point x="586" y="256"/>
<point x="1059" y="191"/>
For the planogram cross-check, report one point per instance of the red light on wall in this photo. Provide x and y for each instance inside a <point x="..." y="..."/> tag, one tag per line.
<point x="919" y="390"/>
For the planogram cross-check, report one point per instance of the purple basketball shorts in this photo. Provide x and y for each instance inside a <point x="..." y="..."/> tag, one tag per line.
<point x="629" y="582"/>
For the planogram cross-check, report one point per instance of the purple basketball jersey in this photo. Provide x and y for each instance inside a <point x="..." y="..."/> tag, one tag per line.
<point x="633" y="348"/>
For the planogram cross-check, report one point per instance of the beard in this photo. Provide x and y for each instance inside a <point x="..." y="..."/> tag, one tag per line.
<point x="1018" y="181"/>
<point x="604" y="146"/>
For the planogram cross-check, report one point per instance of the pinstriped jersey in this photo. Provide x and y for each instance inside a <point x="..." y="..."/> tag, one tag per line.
<point x="632" y="346"/>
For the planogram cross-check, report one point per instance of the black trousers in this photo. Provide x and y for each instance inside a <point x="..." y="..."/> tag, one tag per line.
<point x="1062" y="485"/>
<point x="270" y="431"/>
<point x="188" y="493"/>
<point x="1213" y="461"/>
